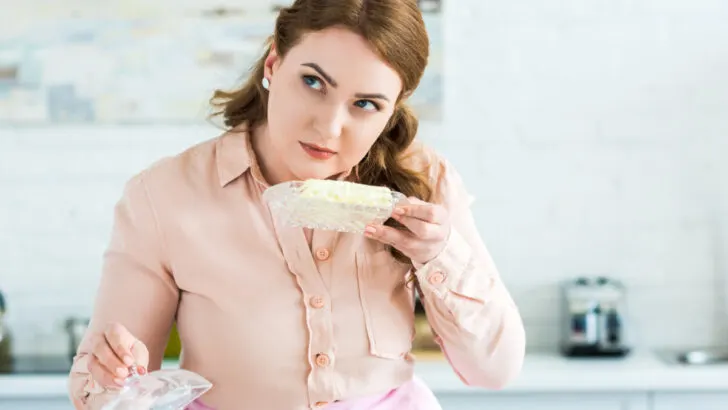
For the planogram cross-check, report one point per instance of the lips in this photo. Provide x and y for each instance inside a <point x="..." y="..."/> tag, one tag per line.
<point x="317" y="151"/>
<point x="318" y="148"/>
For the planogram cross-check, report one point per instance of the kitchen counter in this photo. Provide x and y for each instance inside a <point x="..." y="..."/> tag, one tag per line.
<point x="542" y="373"/>
<point x="545" y="373"/>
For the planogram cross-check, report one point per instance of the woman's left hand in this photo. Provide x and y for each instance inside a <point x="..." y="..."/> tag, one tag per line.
<point x="428" y="229"/>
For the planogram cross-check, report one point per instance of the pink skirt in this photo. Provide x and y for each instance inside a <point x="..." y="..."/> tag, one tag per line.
<point x="413" y="395"/>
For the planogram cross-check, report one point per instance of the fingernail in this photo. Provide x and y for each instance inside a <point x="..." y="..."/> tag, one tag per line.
<point x="128" y="360"/>
<point x="119" y="382"/>
<point x="142" y="370"/>
<point x="122" y="372"/>
<point x="399" y="211"/>
<point x="369" y="230"/>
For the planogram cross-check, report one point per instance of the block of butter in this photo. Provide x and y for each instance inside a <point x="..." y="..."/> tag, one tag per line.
<point x="331" y="205"/>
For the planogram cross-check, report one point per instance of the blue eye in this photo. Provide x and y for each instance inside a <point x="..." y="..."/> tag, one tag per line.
<point x="312" y="82"/>
<point x="367" y="105"/>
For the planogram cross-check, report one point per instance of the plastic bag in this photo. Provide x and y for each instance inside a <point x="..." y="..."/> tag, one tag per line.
<point x="167" y="389"/>
<point x="331" y="205"/>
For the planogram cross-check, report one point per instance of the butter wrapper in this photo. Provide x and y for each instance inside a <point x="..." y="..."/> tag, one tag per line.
<point x="331" y="205"/>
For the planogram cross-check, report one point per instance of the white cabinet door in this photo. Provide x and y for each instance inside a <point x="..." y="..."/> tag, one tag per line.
<point x="35" y="404"/>
<point x="690" y="401"/>
<point x="555" y="401"/>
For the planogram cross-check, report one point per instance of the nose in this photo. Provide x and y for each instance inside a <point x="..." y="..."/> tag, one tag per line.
<point x="330" y="121"/>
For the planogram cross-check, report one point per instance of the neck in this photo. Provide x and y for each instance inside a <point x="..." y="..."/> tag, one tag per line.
<point x="271" y="166"/>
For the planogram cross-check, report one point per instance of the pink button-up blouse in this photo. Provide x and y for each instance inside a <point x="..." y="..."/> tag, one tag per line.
<point x="276" y="319"/>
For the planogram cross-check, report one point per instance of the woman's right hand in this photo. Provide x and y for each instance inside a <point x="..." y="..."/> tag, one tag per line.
<point x="113" y="352"/>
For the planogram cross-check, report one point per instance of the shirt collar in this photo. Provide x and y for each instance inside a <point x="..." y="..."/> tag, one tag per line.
<point x="234" y="155"/>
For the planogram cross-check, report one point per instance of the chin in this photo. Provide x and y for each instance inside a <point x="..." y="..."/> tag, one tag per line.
<point x="302" y="176"/>
<point x="305" y="171"/>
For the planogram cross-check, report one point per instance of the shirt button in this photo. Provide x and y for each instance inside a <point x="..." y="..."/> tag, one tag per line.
<point x="323" y="254"/>
<point x="322" y="360"/>
<point x="316" y="302"/>
<point x="436" y="278"/>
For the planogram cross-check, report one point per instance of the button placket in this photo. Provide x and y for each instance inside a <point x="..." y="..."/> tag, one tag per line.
<point x="322" y="390"/>
<point x="322" y="254"/>
<point x="316" y="302"/>
<point x="323" y="246"/>
<point x="322" y="360"/>
<point x="303" y="266"/>
<point x="320" y="344"/>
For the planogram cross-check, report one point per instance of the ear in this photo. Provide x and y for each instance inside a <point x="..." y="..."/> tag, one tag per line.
<point x="272" y="61"/>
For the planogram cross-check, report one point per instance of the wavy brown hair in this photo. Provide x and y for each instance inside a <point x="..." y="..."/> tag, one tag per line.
<point x="396" y="32"/>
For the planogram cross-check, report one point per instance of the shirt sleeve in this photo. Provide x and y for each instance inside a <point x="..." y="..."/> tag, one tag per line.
<point x="136" y="290"/>
<point x="472" y="314"/>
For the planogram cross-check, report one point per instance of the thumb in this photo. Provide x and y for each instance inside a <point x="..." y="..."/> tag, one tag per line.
<point x="140" y="353"/>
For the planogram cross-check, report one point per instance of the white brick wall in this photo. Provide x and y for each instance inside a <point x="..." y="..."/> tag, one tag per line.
<point x="58" y="189"/>
<point x="591" y="132"/>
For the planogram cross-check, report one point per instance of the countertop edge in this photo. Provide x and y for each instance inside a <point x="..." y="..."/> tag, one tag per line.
<point x="542" y="373"/>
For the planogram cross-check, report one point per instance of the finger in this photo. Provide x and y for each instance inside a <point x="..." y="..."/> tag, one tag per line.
<point x="415" y="200"/>
<point x="107" y="358"/>
<point x="426" y="212"/>
<point x="398" y="238"/>
<point x="422" y="229"/>
<point x="141" y="354"/>
<point x="121" y="342"/>
<point x="101" y="374"/>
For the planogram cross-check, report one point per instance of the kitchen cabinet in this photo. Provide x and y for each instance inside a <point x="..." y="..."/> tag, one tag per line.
<point x="36" y="404"/>
<point x="690" y="401"/>
<point x="547" y="401"/>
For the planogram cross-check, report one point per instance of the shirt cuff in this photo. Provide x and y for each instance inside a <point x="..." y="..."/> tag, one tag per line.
<point x="83" y="385"/>
<point x="445" y="272"/>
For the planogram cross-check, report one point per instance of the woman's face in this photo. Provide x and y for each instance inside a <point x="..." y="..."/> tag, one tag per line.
<point x="329" y="100"/>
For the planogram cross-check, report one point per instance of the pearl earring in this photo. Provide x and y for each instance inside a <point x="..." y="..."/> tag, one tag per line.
<point x="266" y="83"/>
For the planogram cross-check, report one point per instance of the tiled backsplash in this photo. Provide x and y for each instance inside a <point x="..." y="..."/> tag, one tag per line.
<point x="593" y="137"/>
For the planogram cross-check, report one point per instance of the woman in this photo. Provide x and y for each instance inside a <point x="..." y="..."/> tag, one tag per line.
<point x="284" y="318"/>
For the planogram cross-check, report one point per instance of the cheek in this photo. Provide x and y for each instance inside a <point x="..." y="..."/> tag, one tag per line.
<point x="362" y="138"/>
<point x="286" y="116"/>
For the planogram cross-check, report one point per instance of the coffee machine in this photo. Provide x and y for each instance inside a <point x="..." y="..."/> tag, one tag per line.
<point x="593" y="318"/>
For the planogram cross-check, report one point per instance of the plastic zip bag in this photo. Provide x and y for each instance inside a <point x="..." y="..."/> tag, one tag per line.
<point x="331" y="205"/>
<point x="166" y="389"/>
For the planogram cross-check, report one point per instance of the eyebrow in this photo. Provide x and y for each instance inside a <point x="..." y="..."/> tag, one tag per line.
<point x="372" y="96"/>
<point x="322" y="73"/>
<point x="330" y="80"/>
